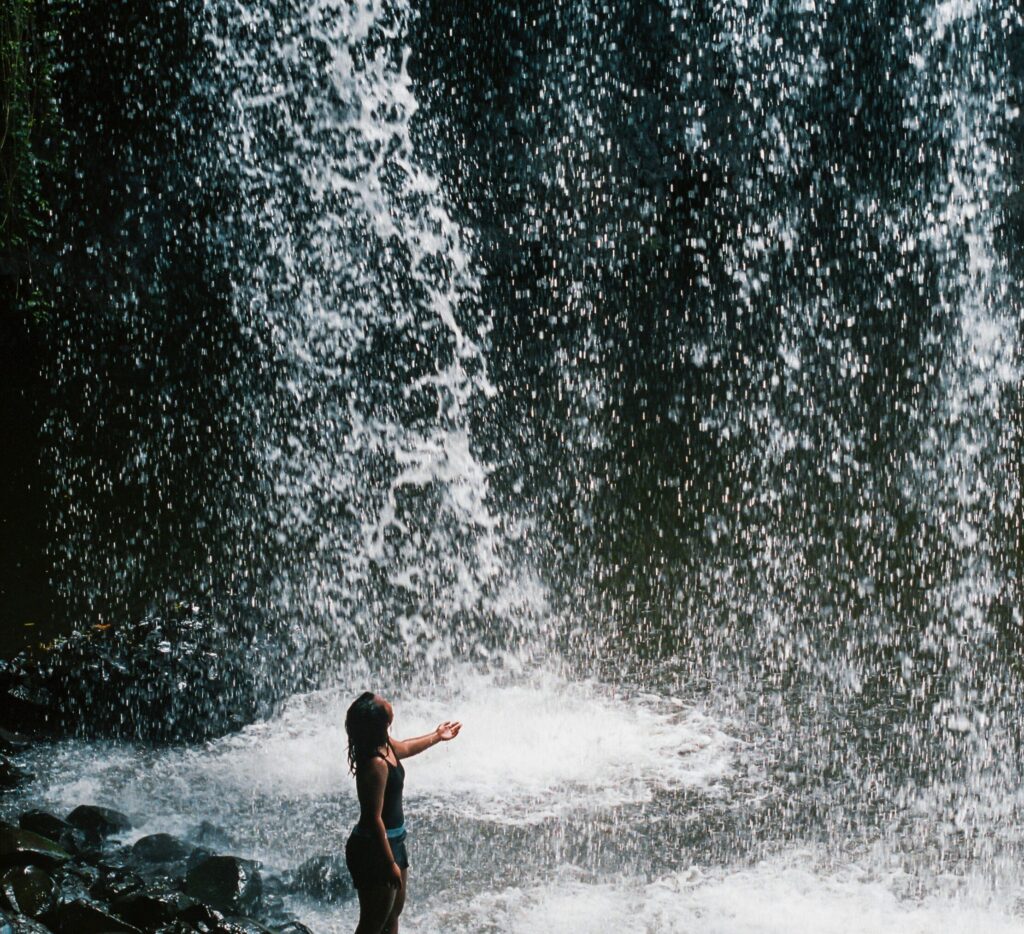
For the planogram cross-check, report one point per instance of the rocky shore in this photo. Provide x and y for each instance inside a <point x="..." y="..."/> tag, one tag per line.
<point x="77" y="872"/>
<point x="72" y="875"/>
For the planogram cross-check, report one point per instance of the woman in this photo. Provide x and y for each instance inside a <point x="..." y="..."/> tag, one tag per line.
<point x="375" y="851"/>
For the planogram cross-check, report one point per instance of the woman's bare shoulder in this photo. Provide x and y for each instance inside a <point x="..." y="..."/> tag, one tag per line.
<point x="372" y="769"/>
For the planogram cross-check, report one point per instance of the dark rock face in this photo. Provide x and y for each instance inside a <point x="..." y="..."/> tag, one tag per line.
<point x="160" y="848"/>
<point x="11" y="776"/>
<point x="201" y="915"/>
<point x="151" y="907"/>
<point x="126" y="681"/>
<point x="28" y="890"/>
<point x="18" y="925"/>
<point x="98" y="821"/>
<point x="81" y="917"/>
<point x="242" y="926"/>
<point x="227" y="883"/>
<point x="197" y="856"/>
<point x="111" y="886"/>
<point x="74" y="879"/>
<point x="325" y="877"/>
<point x="53" y="828"/>
<point x="23" y="848"/>
<point x="25" y="705"/>
<point x="11" y="742"/>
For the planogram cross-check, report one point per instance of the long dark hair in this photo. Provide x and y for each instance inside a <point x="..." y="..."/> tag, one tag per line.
<point x="367" y="726"/>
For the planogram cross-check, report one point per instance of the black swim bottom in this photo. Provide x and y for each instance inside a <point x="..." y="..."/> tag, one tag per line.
<point x="362" y="855"/>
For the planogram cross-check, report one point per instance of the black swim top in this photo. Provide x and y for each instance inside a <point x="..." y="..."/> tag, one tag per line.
<point x="391" y="810"/>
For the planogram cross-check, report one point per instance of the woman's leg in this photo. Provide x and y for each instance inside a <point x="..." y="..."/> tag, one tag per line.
<point x="375" y="906"/>
<point x="396" y="909"/>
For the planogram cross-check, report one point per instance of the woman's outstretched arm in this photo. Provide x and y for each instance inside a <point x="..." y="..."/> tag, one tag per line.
<point x="411" y="747"/>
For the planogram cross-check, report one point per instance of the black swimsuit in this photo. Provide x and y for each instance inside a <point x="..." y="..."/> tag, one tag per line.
<point x="391" y="809"/>
<point x="362" y="853"/>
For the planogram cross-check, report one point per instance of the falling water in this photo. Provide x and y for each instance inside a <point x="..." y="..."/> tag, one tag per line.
<point x="638" y="385"/>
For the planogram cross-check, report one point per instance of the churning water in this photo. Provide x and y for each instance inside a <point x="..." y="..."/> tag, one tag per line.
<point x="638" y="384"/>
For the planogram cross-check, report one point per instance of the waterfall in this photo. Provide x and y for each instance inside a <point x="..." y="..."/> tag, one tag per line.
<point x="639" y="384"/>
<point x="352" y="388"/>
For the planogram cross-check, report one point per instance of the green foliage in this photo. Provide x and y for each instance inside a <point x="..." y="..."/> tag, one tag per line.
<point x="27" y="123"/>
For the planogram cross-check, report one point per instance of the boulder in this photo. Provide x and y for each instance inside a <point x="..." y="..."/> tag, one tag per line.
<point x="227" y="883"/>
<point x="199" y="914"/>
<point x="118" y="860"/>
<point x="81" y="917"/>
<point x="116" y="883"/>
<point x="198" y="855"/>
<point x="73" y="880"/>
<point x="24" y="848"/>
<point x="98" y="821"/>
<point x="160" y="848"/>
<point x="53" y="828"/>
<point x="28" y="890"/>
<point x="151" y="907"/>
<point x="325" y="877"/>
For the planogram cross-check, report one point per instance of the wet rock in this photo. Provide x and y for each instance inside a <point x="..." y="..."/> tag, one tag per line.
<point x="24" y="848"/>
<point x="44" y="823"/>
<point x="292" y="927"/>
<point x="198" y="855"/>
<point x="99" y="821"/>
<point x="325" y="877"/>
<point x="242" y="926"/>
<point x="126" y="680"/>
<point x="198" y="914"/>
<point x="275" y="885"/>
<point x="74" y="880"/>
<point x="227" y="883"/>
<point x="11" y="775"/>
<point x="19" y="925"/>
<point x="28" y="890"/>
<point x="53" y="828"/>
<point x="116" y="884"/>
<point x="151" y="907"/>
<point x="160" y="848"/>
<point x="272" y="907"/>
<point x="116" y="861"/>
<point x="177" y="927"/>
<point x="81" y="917"/>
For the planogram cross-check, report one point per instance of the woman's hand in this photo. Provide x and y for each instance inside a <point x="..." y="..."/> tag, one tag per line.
<point x="448" y="730"/>
<point x="395" y="879"/>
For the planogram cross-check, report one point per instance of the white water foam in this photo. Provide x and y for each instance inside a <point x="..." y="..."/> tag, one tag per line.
<point x="542" y="749"/>
<point x="788" y="895"/>
<point x="533" y="750"/>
